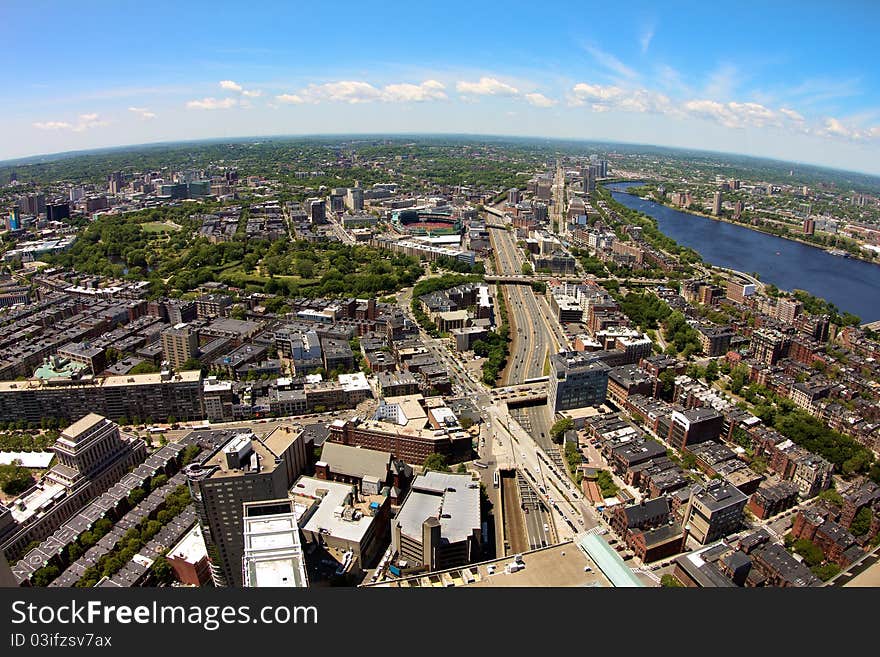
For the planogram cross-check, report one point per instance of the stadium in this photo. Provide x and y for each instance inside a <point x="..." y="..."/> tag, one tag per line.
<point x="427" y="221"/>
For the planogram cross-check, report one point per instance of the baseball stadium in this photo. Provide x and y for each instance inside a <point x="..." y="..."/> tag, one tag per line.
<point x="426" y="221"/>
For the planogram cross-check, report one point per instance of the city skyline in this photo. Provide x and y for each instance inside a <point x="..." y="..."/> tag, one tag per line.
<point x="636" y="77"/>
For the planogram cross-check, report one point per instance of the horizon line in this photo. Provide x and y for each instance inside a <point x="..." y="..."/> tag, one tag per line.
<point x="49" y="157"/>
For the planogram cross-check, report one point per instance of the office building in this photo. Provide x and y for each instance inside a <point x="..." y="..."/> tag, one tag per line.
<point x="247" y="468"/>
<point x="355" y="199"/>
<point x="273" y="555"/>
<point x="439" y="525"/>
<point x="317" y="211"/>
<point x="57" y="211"/>
<point x="576" y="380"/>
<point x="716" y="204"/>
<point x="180" y="343"/>
<point x="714" y="511"/>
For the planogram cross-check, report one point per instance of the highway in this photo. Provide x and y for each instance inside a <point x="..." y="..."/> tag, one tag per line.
<point x="534" y="332"/>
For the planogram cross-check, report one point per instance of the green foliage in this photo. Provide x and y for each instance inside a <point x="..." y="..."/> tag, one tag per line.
<point x="711" y="373"/>
<point x="14" y="478"/>
<point x="162" y="571"/>
<point x="606" y="484"/>
<point x="826" y="571"/>
<point x="28" y="441"/>
<point x="145" y="367"/>
<point x="831" y="495"/>
<point x="739" y="377"/>
<point x="862" y="522"/>
<point x="436" y="462"/>
<point x="681" y="335"/>
<point x="557" y="431"/>
<point x="811" y="552"/>
<point x="573" y="460"/>
<point x="645" y="310"/>
<point x="134" y="540"/>
<point x="670" y="581"/>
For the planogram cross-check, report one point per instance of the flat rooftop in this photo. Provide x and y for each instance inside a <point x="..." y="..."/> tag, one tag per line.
<point x="332" y="496"/>
<point x="191" y="547"/>
<point x="266" y="449"/>
<point x="107" y="381"/>
<point x="452" y="498"/>
<point x="562" y="565"/>
<point x="273" y="552"/>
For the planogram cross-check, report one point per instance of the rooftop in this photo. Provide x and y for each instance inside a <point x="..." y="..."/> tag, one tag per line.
<point x="452" y="498"/>
<point x="332" y="497"/>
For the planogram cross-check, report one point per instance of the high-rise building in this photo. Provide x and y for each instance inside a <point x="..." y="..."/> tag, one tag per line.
<point x="589" y="175"/>
<point x="337" y="199"/>
<point x="57" y="211"/>
<point x="13" y="220"/>
<point x="115" y="182"/>
<point x="577" y="380"/>
<point x="809" y="226"/>
<point x="716" y="204"/>
<point x="247" y="468"/>
<point x="787" y="309"/>
<point x="355" y="199"/>
<point x="180" y="343"/>
<point x="513" y="196"/>
<point x="317" y="211"/>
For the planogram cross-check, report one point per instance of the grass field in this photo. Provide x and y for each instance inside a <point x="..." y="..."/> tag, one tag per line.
<point x="159" y="227"/>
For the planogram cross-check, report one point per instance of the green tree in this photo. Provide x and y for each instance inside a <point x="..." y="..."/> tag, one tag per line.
<point x="145" y="367"/>
<point x="811" y="552"/>
<point x="557" y="431"/>
<point x="670" y="581"/>
<point x="436" y="462"/>
<point x="162" y="571"/>
<point x="862" y="522"/>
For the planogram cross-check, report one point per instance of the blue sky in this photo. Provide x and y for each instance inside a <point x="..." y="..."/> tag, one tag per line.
<point x="795" y="81"/>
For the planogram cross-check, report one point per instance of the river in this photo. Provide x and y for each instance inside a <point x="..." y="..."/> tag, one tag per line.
<point x="850" y="284"/>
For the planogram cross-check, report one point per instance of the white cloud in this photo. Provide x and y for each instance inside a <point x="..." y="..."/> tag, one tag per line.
<point x="52" y="125"/>
<point x="84" y="122"/>
<point x="344" y="91"/>
<point x="290" y="99"/>
<point x="229" y="85"/>
<point x="211" y="103"/>
<point x="486" y="87"/>
<point x="358" y="91"/>
<point x="602" y="98"/>
<point x="791" y="114"/>
<point x="143" y="112"/>
<point x="539" y="100"/>
<point x="427" y="90"/>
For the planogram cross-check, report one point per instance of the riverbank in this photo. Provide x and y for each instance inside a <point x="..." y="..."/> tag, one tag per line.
<point x="848" y="283"/>
<point x="758" y="229"/>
